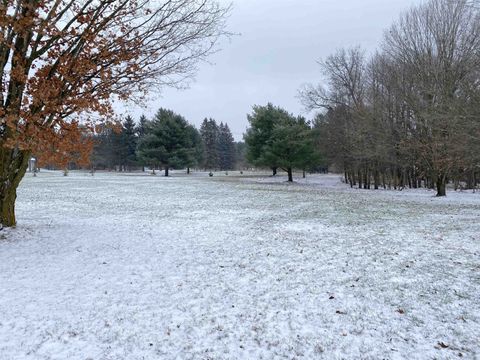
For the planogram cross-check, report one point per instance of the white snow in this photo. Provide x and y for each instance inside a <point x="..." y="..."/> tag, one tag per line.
<point x="237" y="267"/>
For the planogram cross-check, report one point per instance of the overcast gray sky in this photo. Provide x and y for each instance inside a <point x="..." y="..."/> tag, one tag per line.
<point x="276" y="52"/>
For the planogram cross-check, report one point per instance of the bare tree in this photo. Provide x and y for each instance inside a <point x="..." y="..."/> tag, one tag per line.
<point x="435" y="47"/>
<point x="410" y="114"/>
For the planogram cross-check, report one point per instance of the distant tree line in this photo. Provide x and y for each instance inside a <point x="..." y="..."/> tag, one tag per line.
<point x="167" y="141"/>
<point x="409" y="116"/>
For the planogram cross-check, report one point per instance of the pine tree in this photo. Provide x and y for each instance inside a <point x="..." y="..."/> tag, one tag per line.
<point x="291" y="146"/>
<point x="262" y="122"/>
<point x="278" y="139"/>
<point x="141" y="128"/>
<point x="210" y="132"/>
<point x="226" y="147"/>
<point x="129" y="142"/>
<point x="167" y="142"/>
<point x="103" y="152"/>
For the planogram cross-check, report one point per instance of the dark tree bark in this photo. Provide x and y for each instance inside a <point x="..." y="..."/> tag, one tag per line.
<point x="290" y="174"/>
<point x="166" y="171"/>
<point x="13" y="165"/>
<point x="441" y="185"/>
<point x="376" y="179"/>
<point x="351" y="179"/>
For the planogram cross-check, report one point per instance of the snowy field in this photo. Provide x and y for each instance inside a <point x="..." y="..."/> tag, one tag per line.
<point x="142" y="267"/>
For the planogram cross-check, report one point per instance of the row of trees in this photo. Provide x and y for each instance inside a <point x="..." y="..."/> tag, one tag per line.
<point x="166" y="141"/>
<point x="410" y="114"/>
<point x="277" y="139"/>
<point x="115" y="147"/>
<point x="220" y="147"/>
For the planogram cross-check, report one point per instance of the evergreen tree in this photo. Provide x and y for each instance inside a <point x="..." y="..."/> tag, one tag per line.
<point x="210" y="133"/>
<point x="103" y="152"/>
<point x="196" y="155"/>
<point x="109" y="150"/>
<point x="129" y="142"/>
<point x="167" y="142"/>
<point x="278" y="139"/>
<point x="123" y="144"/>
<point x="141" y="128"/>
<point x="226" y="148"/>
<point x="118" y="147"/>
<point x="262" y="122"/>
<point x="290" y="146"/>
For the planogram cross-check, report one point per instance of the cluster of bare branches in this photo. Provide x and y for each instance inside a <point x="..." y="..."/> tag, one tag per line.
<point x="410" y="114"/>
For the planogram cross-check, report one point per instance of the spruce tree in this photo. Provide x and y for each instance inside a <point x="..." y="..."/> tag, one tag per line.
<point x="167" y="142"/>
<point x="103" y="152"/>
<point x="115" y="147"/>
<point x="226" y="147"/>
<point x="210" y="132"/>
<point x="118" y="147"/>
<point x="141" y="128"/>
<point x="129" y="142"/>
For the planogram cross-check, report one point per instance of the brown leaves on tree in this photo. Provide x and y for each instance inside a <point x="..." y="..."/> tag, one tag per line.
<point x="59" y="59"/>
<point x="71" y="143"/>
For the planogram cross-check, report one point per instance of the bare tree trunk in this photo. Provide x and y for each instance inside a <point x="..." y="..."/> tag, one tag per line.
<point x="367" y="178"/>
<point x="394" y="177"/>
<point x="13" y="165"/>
<point x="441" y="185"/>
<point x="166" y="171"/>
<point x="351" y="179"/>
<point x="376" y="178"/>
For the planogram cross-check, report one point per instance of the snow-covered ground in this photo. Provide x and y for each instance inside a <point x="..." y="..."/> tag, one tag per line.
<point x="237" y="267"/>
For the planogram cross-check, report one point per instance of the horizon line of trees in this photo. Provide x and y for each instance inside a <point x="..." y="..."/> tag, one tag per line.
<point x="167" y="141"/>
